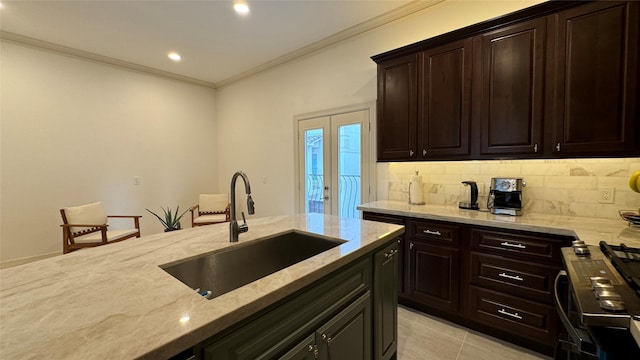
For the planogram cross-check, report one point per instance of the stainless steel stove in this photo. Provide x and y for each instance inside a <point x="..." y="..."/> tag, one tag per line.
<point x="603" y="298"/>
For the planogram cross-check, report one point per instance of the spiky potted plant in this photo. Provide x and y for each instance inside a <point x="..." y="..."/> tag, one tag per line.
<point x="171" y="219"/>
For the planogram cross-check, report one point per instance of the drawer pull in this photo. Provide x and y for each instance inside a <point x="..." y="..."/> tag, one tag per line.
<point x="390" y="253"/>
<point x="505" y="312"/>
<point x="512" y="277"/>
<point x="431" y="232"/>
<point x="518" y="246"/>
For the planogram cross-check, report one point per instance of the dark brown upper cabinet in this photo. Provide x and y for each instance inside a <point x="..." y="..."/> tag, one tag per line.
<point x="445" y="100"/>
<point x="556" y="80"/>
<point x="509" y="84"/>
<point x="397" y="108"/>
<point x="594" y="94"/>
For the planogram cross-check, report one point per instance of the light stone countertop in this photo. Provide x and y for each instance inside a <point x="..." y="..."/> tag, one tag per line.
<point x="590" y="230"/>
<point x="115" y="302"/>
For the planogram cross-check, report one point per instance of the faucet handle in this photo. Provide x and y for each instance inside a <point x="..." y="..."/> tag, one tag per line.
<point x="244" y="227"/>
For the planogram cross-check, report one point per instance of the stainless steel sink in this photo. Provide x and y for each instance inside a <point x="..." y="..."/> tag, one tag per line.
<point x="229" y="269"/>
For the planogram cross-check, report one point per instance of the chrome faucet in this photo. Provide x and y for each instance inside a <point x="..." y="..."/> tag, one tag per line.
<point x="234" y="228"/>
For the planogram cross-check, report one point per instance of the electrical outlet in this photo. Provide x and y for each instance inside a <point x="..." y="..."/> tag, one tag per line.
<point x="136" y="180"/>
<point x="606" y="195"/>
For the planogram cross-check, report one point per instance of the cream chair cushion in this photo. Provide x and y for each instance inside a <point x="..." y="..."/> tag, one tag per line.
<point x="213" y="203"/>
<point x="210" y="218"/>
<point x="112" y="235"/>
<point x="90" y="214"/>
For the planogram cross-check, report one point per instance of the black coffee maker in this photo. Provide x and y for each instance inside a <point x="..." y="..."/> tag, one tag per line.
<point x="472" y="204"/>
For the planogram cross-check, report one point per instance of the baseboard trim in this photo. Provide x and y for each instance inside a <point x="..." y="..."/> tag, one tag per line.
<point x="25" y="260"/>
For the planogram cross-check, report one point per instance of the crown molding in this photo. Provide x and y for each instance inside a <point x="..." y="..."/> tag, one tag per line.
<point x="390" y="16"/>
<point x="396" y="14"/>
<point x="85" y="55"/>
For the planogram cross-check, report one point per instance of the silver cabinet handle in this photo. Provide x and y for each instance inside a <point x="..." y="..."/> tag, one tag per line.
<point x="431" y="232"/>
<point x="505" y="312"/>
<point x="518" y="246"/>
<point x="512" y="277"/>
<point x="411" y="245"/>
<point x="326" y="337"/>
<point x="314" y="349"/>
<point x="424" y="152"/>
<point x="411" y="153"/>
<point x="535" y="148"/>
<point x="558" y="147"/>
<point x="390" y="253"/>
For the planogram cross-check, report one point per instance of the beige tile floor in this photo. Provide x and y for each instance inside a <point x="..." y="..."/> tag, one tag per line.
<point x="425" y="337"/>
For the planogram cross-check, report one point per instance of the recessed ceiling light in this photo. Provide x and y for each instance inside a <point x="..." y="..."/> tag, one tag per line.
<point x="241" y="7"/>
<point x="174" y="56"/>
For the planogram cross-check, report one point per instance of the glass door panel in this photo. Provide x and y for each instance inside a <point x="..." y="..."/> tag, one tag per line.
<point x="314" y="162"/>
<point x="349" y="170"/>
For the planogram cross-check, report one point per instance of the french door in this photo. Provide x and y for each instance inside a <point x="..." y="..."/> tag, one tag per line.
<point x="332" y="153"/>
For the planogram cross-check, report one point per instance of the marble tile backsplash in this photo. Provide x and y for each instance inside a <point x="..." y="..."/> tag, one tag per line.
<point x="566" y="187"/>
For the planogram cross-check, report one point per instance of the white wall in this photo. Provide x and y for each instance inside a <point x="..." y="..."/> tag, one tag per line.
<point x="75" y="131"/>
<point x="255" y="115"/>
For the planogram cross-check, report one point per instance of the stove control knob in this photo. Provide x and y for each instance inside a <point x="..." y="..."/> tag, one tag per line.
<point x="581" y="250"/>
<point x="600" y="282"/>
<point x="612" y="305"/>
<point x="608" y="295"/>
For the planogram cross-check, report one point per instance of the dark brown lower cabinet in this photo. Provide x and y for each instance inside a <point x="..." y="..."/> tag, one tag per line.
<point x="531" y="320"/>
<point x="498" y="281"/>
<point x="432" y="264"/>
<point x="433" y="275"/>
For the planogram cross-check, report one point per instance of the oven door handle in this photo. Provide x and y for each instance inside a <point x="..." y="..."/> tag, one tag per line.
<point x="579" y="338"/>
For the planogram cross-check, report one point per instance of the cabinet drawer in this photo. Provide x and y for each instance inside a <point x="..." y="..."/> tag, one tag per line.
<point x="389" y="219"/>
<point x="519" y="245"/>
<point x="531" y="320"/>
<point x="529" y="280"/>
<point x="446" y="234"/>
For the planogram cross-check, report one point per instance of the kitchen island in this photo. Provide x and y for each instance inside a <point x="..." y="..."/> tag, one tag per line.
<point x="116" y="302"/>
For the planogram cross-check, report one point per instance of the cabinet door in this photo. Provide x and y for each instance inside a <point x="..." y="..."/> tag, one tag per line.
<point x="305" y="350"/>
<point x="433" y="275"/>
<point x="397" y="108"/>
<point x="400" y="258"/>
<point x="511" y="77"/>
<point x="445" y="81"/>
<point x="385" y="299"/>
<point x="348" y="334"/>
<point x="596" y="87"/>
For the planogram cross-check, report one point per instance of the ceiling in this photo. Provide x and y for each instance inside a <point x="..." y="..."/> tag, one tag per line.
<point x="217" y="45"/>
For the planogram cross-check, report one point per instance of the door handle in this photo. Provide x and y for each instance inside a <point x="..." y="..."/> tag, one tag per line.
<point x="579" y="338"/>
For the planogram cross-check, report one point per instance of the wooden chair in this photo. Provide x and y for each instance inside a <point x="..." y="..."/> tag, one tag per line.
<point x="86" y="226"/>
<point x="211" y="209"/>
